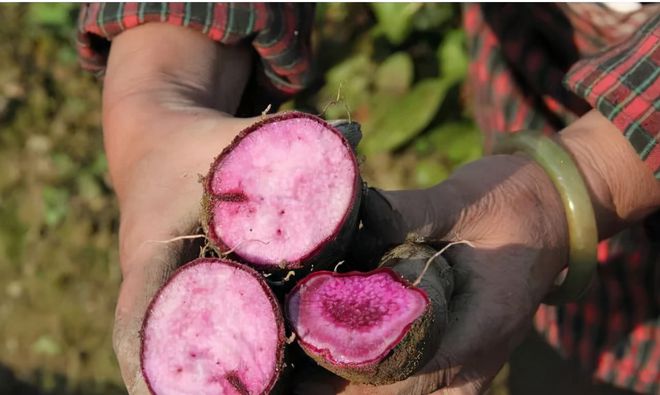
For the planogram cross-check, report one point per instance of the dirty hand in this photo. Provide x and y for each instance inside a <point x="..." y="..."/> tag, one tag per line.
<point x="506" y="208"/>
<point x="166" y="115"/>
<point x="159" y="197"/>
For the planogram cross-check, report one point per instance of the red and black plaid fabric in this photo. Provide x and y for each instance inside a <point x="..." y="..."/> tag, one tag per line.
<point x="279" y="32"/>
<point x="535" y="66"/>
<point x="524" y="57"/>
<point x="622" y="83"/>
<point x="522" y="54"/>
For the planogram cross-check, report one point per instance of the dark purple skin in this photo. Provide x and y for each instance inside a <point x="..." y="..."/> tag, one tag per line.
<point x="327" y="252"/>
<point x="276" y="307"/>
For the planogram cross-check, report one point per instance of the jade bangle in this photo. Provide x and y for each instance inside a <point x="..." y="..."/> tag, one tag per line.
<point x="582" y="231"/>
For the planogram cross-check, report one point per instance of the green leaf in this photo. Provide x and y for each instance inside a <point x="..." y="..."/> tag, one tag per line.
<point x="64" y="164"/>
<point x="320" y="13"/>
<point x="335" y="12"/>
<point x="395" y="74"/>
<point x="452" y="56"/>
<point x="45" y="345"/>
<point x="430" y="172"/>
<point x="67" y="55"/>
<point x="100" y="165"/>
<point x="358" y="64"/>
<point x="407" y="118"/>
<point x="56" y="204"/>
<point x="395" y="19"/>
<point x="52" y="14"/>
<point x="351" y="80"/>
<point x="88" y="187"/>
<point x="460" y="142"/>
<point x="433" y="15"/>
<point x="379" y="106"/>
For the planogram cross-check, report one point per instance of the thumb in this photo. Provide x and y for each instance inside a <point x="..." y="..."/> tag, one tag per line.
<point x="135" y="293"/>
<point x="391" y="217"/>
<point x="476" y="378"/>
<point x="151" y="266"/>
<point x="350" y="130"/>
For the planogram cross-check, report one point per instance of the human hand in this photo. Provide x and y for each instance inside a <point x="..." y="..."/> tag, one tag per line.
<point x="160" y="220"/>
<point x="160" y="138"/>
<point x="160" y="209"/>
<point x="508" y="211"/>
<point x="168" y="96"/>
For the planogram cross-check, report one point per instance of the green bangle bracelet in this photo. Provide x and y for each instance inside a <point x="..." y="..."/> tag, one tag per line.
<point x="582" y="231"/>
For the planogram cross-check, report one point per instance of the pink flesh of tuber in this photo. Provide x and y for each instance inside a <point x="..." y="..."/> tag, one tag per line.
<point x="376" y="327"/>
<point x="355" y="318"/>
<point x="214" y="328"/>
<point x="282" y="192"/>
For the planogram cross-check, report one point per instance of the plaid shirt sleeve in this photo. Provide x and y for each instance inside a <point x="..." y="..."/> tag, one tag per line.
<point x="279" y="33"/>
<point x="622" y="83"/>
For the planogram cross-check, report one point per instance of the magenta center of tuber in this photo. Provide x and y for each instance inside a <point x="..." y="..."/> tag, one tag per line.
<point x="354" y="318"/>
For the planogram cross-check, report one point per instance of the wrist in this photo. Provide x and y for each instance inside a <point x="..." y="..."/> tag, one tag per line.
<point x="622" y="188"/>
<point x="175" y="67"/>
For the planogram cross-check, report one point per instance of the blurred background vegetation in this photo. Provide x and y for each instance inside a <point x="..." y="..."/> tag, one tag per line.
<point x="58" y="217"/>
<point x="396" y="68"/>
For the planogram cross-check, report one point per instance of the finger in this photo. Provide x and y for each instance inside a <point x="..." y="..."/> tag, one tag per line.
<point x="490" y="314"/>
<point x="415" y="385"/>
<point x="152" y="266"/>
<point x="492" y="300"/>
<point x="394" y="215"/>
<point x="135" y="294"/>
<point x="475" y="379"/>
<point x="313" y="379"/>
<point x="381" y="229"/>
<point x="350" y="130"/>
<point x="387" y="220"/>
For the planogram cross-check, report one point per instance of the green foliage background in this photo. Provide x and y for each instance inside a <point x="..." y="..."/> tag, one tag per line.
<point x="58" y="217"/>
<point x="397" y="68"/>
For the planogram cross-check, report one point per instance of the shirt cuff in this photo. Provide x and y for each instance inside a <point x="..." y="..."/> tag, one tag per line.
<point x="279" y="33"/>
<point x="622" y="83"/>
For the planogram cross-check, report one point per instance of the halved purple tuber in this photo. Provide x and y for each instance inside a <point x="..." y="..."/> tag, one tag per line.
<point x="214" y="328"/>
<point x="373" y="327"/>
<point x="284" y="195"/>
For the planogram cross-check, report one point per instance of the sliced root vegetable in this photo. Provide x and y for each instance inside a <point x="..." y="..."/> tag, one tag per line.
<point x="214" y="328"/>
<point x="284" y="195"/>
<point x="374" y="327"/>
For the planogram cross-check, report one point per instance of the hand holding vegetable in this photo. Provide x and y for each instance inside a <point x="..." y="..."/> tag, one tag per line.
<point x="164" y="121"/>
<point x="504" y="206"/>
<point x="511" y="214"/>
